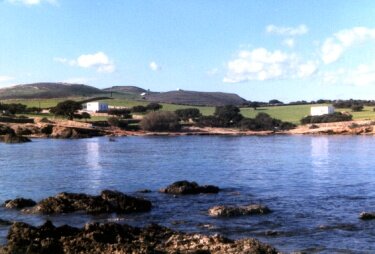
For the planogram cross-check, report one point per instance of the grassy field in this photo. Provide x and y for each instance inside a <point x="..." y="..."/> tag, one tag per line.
<point x="286" y="113"/>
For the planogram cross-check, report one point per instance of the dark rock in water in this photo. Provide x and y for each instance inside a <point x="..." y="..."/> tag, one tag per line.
<point x="5" y="222"/>
<point x="6" y="130"/>
<point x="19" y="203"/>
<point x="14" y="139"/>
<point x="185" y="187"/>
<point x="74" y="133"/>
<point x="121" y="239"/>
<point x="367" y="216"/>
<point x="107" y="202"/>
<point x="144" y="191"/>
<point x="231" y="211"/>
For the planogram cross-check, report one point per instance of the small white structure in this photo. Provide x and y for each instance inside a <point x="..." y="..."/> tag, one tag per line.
<point x="96" y="106"/>
<point x="322" y="110"/>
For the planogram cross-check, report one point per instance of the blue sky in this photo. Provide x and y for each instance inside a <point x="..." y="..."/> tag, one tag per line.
<point x="261" y="50"/>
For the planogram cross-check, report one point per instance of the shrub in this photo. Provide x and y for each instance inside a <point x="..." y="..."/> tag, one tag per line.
<point x="328" y="118"/>
<point x="139" y="109"/>
<point x="117" y="122"/>
<point x="120" y="112"/>
<point x="264" y="122"/>
<point x="356" y="107"/>
<point x="153" y="106"/>
<point x="160" y="121"/>
<point x="188" y="113"/>
<point x="209" y="121"/>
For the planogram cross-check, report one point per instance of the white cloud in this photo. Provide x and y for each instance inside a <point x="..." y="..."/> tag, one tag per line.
<point x="287" y="31"/>
<point x="5" y="79"/>
<point x="154" y="66"/>
<point x="32" y="2"/>
<point x="290" y="42"/>
<point x="99" y="61"/>
<point x="333" y="47"/>
<point x="261" y="64"/>
<point x="362" y="75"/>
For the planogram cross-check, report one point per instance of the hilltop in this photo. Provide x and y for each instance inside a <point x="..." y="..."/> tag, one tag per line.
<point x="196" y="98"/>
<point x="65" y="90"/>
<point x="125" y="89"/>
<point x="48" y="90"/>
<point x="182" y="97"/>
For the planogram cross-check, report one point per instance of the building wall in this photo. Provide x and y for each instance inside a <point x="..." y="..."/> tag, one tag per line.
<point x="322" y="110"/>
<point x="96" y="106"/>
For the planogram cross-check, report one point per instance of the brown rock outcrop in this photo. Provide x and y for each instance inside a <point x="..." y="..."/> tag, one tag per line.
<point x="115" y="238"/>
<point x="185" y="187"/>
<point x="231" y="211"/>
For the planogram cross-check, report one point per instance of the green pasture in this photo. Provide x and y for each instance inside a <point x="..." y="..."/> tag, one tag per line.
<point x="285" y="113"/>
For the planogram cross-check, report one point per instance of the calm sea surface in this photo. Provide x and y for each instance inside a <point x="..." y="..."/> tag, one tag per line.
<point x="316" y="186"/>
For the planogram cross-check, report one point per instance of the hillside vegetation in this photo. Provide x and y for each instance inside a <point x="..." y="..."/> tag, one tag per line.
<point x="48" y="90"/>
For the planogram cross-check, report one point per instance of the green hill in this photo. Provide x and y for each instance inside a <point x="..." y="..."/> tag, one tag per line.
<point x="49" y="90"/>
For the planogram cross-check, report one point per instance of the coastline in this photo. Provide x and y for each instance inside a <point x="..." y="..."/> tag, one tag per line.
<point x="74" y="129"/>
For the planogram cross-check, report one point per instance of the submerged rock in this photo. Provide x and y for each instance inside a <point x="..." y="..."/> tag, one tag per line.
<point x="367" y="216"/>
<point x="5" y="222"/>
<point x="231" y="211"/>
<point x="19" y="203"/>
<point x="185" y="187"/>
<point x="12" y="138"/>
<point x="107" y="202"/>
<point x="121" y="239"/>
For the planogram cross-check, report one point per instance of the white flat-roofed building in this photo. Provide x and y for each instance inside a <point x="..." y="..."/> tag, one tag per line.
<point x="322" y="110"/>
<point x="96" y="106"/>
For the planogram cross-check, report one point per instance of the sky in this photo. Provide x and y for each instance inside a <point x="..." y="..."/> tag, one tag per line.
<point x="261" y="49"/>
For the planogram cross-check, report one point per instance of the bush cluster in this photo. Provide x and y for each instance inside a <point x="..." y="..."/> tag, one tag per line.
<point x="328" y="118"/>
<point x="264" y="122"/>
<point x="160" y="121"/>
<point x="188" y="113"/>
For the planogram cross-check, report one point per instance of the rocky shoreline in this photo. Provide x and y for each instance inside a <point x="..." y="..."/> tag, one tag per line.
<point x="114" y="237"/>
<point x="121" y="239"/>
<point x="64" y="129"/>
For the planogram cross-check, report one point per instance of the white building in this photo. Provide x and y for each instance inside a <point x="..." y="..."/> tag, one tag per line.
<point x="96" y="106"/>
<point x="322" y="110"/>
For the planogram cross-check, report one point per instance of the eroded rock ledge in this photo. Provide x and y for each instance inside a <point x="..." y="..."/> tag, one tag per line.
<point x="120" y="239"/>
<point x="185" y="187"/>
<point x="232" y="211"/>
<point x="107" y="202"/>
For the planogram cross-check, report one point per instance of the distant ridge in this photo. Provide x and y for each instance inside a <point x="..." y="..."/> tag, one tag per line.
<point x="126" y="89"/>
<point x="48" y="90"/>
<point x="196" y="98"/>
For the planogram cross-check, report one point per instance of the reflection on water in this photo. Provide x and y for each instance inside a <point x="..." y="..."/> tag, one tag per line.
<point x="313" y="184"/>
<point x="319" y="152"/>
<point x="94" y="167"/>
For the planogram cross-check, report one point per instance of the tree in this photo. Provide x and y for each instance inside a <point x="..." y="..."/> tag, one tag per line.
<point x="160" y="121"/>
<point x="356" y="107"/>
<point x="66" y="109"/>
<point x="254" y="105"/>
<point x="228" y="115"/>
<point x="120" y="112"/>
<point x="188" y="113"/>
<point x="85" y="115"/>
<point x="139" y="109"/>
<point x="153" y="106"/>
<point x="275" y="102"/>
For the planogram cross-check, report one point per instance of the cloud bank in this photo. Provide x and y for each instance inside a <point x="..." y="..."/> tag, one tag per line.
<point x="32" y="2"/>
<point x="99" y="61"/>
<point x="261" y="64"/>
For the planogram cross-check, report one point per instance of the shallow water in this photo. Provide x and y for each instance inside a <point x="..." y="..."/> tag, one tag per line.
<point x="316" y="186"/>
